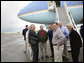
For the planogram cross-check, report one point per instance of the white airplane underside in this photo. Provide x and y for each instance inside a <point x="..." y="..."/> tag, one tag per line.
<point x="38" y="12"/>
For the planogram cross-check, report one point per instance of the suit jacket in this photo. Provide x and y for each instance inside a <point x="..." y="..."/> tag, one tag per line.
<point x="33" y="39"/>
<point x="75" y="40"/>
<point x="50" y="34"/>
<point x="24" y="33"/>
<point x="58" y="37"/>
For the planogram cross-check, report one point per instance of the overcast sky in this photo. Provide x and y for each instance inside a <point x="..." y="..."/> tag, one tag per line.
<point x="9" y="20"/>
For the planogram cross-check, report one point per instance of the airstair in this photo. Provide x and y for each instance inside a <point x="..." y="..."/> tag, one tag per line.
<point x="63" y="15"/>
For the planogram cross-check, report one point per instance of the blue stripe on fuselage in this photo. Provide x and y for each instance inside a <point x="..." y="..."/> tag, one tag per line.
<point x="34" y="6"/>
<point x="71" y="3"/>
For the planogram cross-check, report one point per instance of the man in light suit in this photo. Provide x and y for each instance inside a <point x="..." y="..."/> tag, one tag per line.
<point x="58" y="43"/>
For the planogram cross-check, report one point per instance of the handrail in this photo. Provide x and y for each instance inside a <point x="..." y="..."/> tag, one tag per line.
<point x="72" y="20"/>
<point x="70" y="16"/>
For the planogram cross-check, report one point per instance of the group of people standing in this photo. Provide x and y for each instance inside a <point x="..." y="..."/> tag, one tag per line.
<point x="58" y="36"/>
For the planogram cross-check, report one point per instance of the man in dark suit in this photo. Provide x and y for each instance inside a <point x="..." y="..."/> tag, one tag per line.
<point x="50" y="34"/>
<point x="75" y="42"/>
<point x="24" y="34"/>
<point x="33" y="42"/>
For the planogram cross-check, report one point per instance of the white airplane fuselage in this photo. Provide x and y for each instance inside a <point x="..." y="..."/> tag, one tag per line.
<point x="38" y="12"/>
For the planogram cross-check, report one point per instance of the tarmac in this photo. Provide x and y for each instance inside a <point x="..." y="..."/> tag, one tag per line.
<point x="13" y="46"/>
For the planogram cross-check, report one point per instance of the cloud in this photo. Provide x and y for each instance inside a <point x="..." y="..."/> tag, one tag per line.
<point x="9" y="20"/>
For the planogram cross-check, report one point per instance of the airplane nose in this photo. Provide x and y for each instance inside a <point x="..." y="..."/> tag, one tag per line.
<point x="37" y="12"/>
<point x="34" y="6"/>
<point x="19" y="13"/>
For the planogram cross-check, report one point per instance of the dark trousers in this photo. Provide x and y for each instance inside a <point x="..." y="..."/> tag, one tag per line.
<point x="75" y="54"/>
<point x="51" y="46"/>
<point x="35" y="52"/>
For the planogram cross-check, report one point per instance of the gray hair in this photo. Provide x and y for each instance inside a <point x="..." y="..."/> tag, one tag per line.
<point x="69" y="24"/>
<point x="31" y="26"/>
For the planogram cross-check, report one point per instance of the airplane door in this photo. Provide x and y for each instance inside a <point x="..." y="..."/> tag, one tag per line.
<point x="57" y="3"/>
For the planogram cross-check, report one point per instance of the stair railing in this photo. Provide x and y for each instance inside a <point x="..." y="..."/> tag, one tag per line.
<point x="70" y="16"/>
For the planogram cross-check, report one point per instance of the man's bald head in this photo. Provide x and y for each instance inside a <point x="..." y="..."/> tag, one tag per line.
<point x="60" y="24"/>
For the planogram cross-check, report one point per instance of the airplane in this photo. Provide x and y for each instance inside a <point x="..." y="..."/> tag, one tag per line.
<point x="43" y="12"/>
